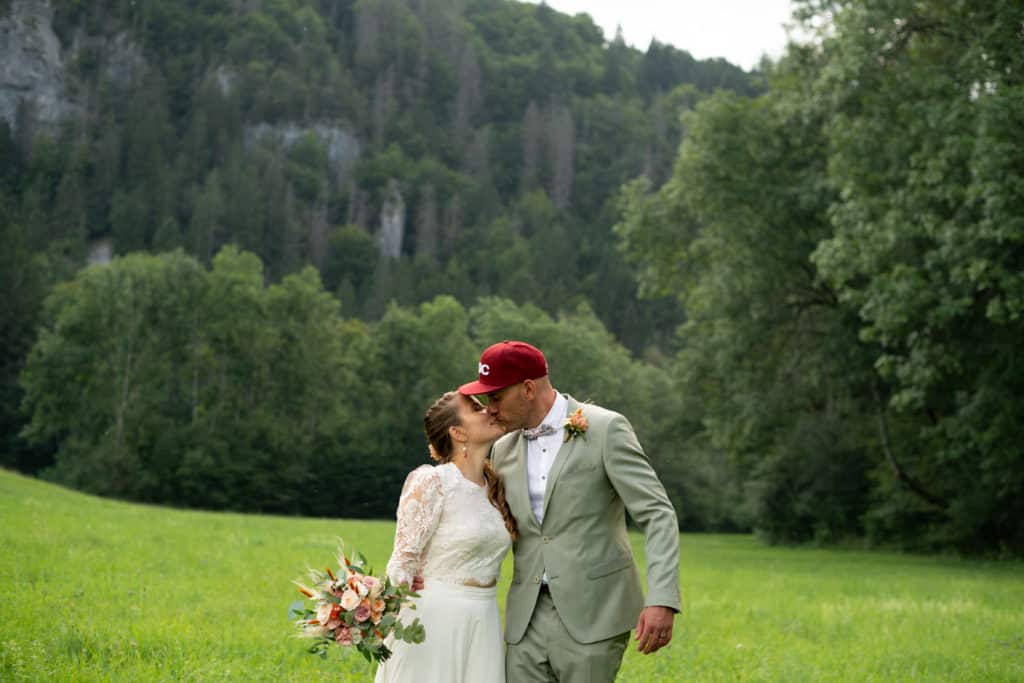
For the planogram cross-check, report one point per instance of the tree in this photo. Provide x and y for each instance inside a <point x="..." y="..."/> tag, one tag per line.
<point x="427" y="224"/>
<point x="171" y="150"/>
<point x="619" y="68"/>
<point x="562" y="143"/>
<point x="768" y="356"/>
<point x="847" y="251"/>
<point x="25" y="278"/>
<point x="206" y="230"/>
<point x="351" y="255"/>
<point x="469" y="95"/>
<point x="402" y="373"/>
<point x="103" y="336"/>
<point x="531" y="139"/>
<point x="191" y="387"/>
<point x="925" y="110"/>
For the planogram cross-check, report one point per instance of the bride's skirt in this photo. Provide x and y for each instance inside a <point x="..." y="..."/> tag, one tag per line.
<point x="463" y="643"/>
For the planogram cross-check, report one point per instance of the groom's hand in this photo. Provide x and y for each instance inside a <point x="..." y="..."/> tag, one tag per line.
<point x="417" y="583"/>
<point x="654" y="628"/>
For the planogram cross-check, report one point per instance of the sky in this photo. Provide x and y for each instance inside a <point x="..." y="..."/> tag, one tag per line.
<point x="738" y="30"/>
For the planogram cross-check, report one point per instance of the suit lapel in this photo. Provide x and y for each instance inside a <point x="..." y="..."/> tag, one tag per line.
<point x="564" y="453"/>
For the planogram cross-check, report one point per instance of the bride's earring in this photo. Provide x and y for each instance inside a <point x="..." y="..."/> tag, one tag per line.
<point x="465" y="451"/>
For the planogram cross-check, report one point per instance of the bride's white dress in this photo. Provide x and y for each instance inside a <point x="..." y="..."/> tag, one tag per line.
<point x="451" y="535"/>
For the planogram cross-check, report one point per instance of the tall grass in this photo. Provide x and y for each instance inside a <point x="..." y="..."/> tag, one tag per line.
<point x="99" y="590"/>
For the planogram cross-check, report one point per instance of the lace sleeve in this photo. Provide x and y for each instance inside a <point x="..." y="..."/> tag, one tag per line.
<point x="419" y="509"/>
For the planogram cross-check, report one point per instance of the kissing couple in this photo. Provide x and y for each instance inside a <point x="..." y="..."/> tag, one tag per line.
<point x="521" y="465"/>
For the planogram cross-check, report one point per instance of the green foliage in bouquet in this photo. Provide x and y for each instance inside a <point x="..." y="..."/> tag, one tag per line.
<point x="354" y="609"/>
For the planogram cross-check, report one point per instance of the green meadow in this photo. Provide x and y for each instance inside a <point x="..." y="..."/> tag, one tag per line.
<point x="100" y="590"/>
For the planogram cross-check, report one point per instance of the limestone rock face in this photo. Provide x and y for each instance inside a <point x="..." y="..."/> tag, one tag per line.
<point x="101" y="251"/>
<point x="392" y="222"/>
<point x="225" y="79"/>
<point x="121" y="58"/>
<point x="31" y="64"/>
<point x="343" y="147"/>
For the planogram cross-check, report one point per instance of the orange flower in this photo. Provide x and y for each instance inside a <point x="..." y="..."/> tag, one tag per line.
<point x="575" y="425"/>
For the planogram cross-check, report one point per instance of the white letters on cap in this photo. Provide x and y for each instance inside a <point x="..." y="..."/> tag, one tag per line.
<point x="484" y="369"/>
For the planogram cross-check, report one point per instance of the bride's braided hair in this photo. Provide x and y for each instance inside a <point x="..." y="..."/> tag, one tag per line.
<point x="444" y="413"/>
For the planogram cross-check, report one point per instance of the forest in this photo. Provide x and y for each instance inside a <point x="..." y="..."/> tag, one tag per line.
<point x="804" y="285"/>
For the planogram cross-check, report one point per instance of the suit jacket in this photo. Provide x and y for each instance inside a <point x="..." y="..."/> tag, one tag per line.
<point x="582" y="543"/>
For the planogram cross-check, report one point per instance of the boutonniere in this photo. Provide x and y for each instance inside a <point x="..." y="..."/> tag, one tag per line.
<point x="575" y="425"/>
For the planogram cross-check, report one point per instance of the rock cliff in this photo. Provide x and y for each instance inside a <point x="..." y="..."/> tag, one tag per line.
<point x="32" y="75"/>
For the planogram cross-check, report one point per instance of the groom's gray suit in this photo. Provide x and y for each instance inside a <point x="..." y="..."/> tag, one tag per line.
<point x="582" y="544"/>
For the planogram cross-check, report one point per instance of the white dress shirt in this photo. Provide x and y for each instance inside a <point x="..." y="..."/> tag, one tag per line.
<point x="541" y="452"/>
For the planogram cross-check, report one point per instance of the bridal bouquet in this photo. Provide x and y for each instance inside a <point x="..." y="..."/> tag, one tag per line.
<point x="353" y="608"/>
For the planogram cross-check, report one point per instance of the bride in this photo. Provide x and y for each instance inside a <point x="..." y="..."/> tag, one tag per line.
<point x="454" y="529"/>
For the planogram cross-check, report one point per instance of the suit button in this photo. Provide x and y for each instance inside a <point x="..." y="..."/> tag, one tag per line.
<point x="547" y="539"/>
<point x="536" y="579"/>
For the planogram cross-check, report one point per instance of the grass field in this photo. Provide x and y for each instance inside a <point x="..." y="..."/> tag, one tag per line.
<point x="97" y="590"/>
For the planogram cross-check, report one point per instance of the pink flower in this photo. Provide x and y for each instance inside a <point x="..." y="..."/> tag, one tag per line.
<point x="349" y="600"/>
<point x="373" y="585"/>
<point x="355" y="582"/>
<point x="354" y="609"/>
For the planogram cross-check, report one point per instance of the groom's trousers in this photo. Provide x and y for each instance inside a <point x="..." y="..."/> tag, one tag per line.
<point x="547" y="653"/>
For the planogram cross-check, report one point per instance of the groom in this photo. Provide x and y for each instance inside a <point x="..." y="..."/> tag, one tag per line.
<point x="572" y="470"/>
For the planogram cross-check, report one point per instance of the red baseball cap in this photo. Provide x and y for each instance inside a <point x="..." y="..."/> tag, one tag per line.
<point x="504" y="364"/>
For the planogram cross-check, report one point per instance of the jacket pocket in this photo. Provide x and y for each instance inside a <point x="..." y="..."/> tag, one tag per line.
<point x="581" y="468"/>
<point x="606" y="568"/>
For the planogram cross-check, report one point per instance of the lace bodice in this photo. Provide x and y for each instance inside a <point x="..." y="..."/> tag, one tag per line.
<point x="447" y="530"/>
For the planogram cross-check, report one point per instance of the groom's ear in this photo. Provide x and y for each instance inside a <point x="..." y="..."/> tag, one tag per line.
<point x="529" y="389"/>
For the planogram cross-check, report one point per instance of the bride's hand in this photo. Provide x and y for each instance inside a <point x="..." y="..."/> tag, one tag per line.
<point x="417" y="583"/>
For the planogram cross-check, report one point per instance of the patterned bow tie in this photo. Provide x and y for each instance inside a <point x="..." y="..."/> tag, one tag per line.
<point x="537" y="432"/>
